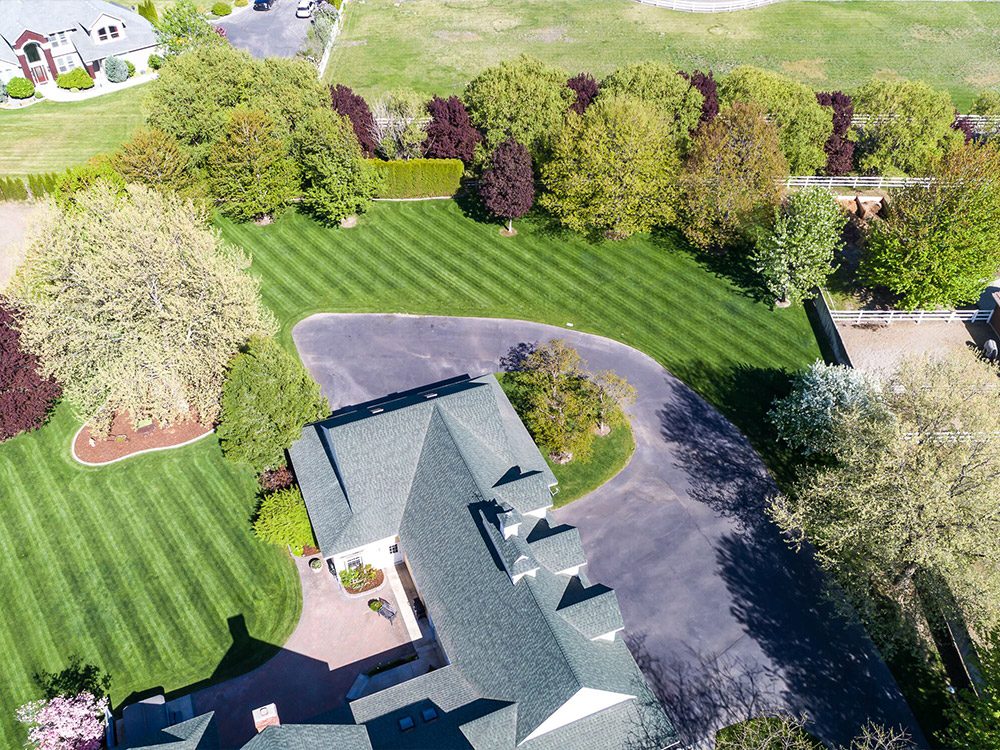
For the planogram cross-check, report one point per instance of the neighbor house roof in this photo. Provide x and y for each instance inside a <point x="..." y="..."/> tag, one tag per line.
<point x="49" y="16"/>
<point x="194" y="734"/>
<point x="440" y="467"/>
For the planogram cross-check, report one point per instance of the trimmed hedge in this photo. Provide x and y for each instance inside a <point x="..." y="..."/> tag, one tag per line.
<point x="221" y="9"/>
<point x="78" y="78"/>
<point x="418" y="178"/>
<point x="43" y="184"/>
<point x="13" y="189"/>
<point x="20" y="88"/>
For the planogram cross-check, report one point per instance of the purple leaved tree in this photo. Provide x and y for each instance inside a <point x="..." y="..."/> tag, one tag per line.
<point x="706" y="85"/>
<point x="355" y="108"/>
<point x="26" y="397"/>
<point x="450" y="134"/>
<point x="839" y="150"/>
<point x="65" y="722"/>
<point x="507" y="187"/>
<point x="586" y="89"/>
<point x="963" y="125"/>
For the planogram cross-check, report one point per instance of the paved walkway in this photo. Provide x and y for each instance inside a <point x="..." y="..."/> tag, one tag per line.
<point x="726" y="621"/>
<point x="337" y="639"/>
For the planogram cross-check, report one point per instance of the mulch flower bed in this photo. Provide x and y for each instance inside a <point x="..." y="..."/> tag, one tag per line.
<point x="379" y="579"/>
<point x="124" y="440"/>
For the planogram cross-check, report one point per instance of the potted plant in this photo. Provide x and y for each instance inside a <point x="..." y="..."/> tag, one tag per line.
<point x="316" y="564"/>
<point x="375" y="605"/>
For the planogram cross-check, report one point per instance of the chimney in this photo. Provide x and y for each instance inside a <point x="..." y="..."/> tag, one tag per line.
<point x="266" y="716"/>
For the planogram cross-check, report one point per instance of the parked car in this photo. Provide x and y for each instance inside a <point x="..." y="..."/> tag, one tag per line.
<point x="262" y="4"/>
<point x="305" y="8"/>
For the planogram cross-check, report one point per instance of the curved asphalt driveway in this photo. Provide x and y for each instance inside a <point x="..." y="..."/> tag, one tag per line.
<point x="267" y="33"/>
<point x="725" y="620"/>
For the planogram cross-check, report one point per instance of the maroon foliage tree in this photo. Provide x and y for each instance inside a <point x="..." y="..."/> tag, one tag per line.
<point x="839" y="150"/>
<point x="507" y="187"/>
<point x="586" y="89"/>
<point x="26" y="398"/>
<point x="705" y="83"/>
<point x="355" y="108"/>
<point x="965" y="127"/>
<point x="450" y="134"/>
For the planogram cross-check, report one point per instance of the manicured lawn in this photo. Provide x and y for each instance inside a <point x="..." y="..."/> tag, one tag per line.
<point x="435" y="46"/>
<point x="136" y="566"/>
<point x="610" y="455"/>
<point x="429" y="257"/>
<point x="51" y="136"/>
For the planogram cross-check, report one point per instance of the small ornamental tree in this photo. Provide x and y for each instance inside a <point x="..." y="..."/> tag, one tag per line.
<point x="705" y="83"/>
<point x="507" y="187"/>
<point x="524" y="99"/>
<point x="730" y="177"/>
<point x="355" y="108"/>
<point x="839" y="150"/>
<point x="614" y="393"/>
<point x="797" y="254"/>
<point x="250" y="175"/>
<point x="585" y="88"/>
<point x="267" y="398"/>
<point x="64" y="722"/>
<point x="939" y="246"/>
<point x="115" y="69"/>
<point x="803" y="125"/>
<point x="808" y="417"/>
<point x="399" y="127"/>
<point x="336" y="180"/>
<point x="613" y="170"/>
<point x="154" y="158"/>
<point x="450" y="134"/>
<point x="662" y="88"/>
<point x="183" y="27"/>
<point x="26" y="396"/>
<point x="282" y="519"/>
<point x="909" y="129"/>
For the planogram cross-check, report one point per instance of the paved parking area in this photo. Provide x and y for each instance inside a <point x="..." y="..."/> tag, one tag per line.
<point x="272" y="33"/>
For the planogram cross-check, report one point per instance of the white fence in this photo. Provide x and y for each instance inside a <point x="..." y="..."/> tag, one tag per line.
<point x="887" y="317"/>
<point x="866" y="183"/>
<point x="708" y="6"/>
<point x="987" y="124"/>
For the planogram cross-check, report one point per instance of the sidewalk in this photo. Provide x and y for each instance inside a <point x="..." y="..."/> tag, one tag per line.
<point x="101" y="86"/>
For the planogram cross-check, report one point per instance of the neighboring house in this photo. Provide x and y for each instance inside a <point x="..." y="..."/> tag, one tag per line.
<point x="447" y="481"/>
<point x="39" y="39"/>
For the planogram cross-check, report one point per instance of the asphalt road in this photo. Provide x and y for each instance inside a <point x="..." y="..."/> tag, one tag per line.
<point x="272" y="33"/>
<point x="726" y="621"/>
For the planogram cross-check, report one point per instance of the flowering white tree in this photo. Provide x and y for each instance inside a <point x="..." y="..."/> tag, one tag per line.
<point x="798" y="253"/>
<point x="820" y="396"/>
<point x="65" y="722"/>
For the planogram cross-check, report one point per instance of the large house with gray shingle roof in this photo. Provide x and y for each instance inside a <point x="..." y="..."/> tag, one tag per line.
<point x="40" y="39"/>
<point x="447" y="480"/>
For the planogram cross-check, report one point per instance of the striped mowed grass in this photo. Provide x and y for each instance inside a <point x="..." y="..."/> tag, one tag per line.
<point x="140" y="567"/>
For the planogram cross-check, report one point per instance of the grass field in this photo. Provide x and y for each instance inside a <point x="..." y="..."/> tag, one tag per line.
<point x="435" y="46"/>
<point x="577" y="478"/>
<point x="51" y="136"/>
<point x="429" y="257"/>
<point x="137" y="567"/>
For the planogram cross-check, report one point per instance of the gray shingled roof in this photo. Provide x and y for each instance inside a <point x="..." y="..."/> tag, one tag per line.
<point x="311" y="737"/>
<point x="438" y="470"/>
<point x="49" y="16"/>
<point x="193" y="734"/>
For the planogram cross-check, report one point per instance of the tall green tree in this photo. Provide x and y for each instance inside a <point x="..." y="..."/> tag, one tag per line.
<point x="183" y="27"/>
<point x="154" y="158"/>
<point x="136" y="306"/>
<point x="250" y="175"/>
<point x="730" y="179"/>
<point x="267" y="399"/>
<point x="613" y="170"/>
<point x="909" y="127"/>
<point x="661" y="86"/>
<point x="336" y="180"/>
<point x="797" y="254"/>
<point x="524" y="99"/>
<point x="803" y="125"/>
<point x="902" y="512"/>
<point x="939" y="246"/>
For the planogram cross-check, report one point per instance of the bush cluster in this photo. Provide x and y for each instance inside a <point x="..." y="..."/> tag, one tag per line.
<point x="43" y="184"/>
<point x="20" y="88"/>
<point x="418" y="178"/>
<point x="78" y="78"/>
<point x="221" y="9"/>
<point x="282" y="519"/>
<point x="115" y="69"/>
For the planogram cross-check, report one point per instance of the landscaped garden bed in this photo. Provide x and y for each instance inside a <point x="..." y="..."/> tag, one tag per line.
<point x="360" y="580"/>
<point x="125" y="440"/>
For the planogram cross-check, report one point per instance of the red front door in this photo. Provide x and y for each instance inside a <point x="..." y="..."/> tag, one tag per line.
<point x="40" y="73"/>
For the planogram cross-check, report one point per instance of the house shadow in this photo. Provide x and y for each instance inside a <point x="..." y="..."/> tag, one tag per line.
<point x="252" y="673"/>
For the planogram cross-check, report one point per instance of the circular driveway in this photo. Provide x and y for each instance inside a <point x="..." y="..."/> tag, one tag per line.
<point x="725" y="620"/>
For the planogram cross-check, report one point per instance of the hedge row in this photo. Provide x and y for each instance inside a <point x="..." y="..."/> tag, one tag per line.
<point x="419" y="178"/>
<point x="20" y="188"/>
